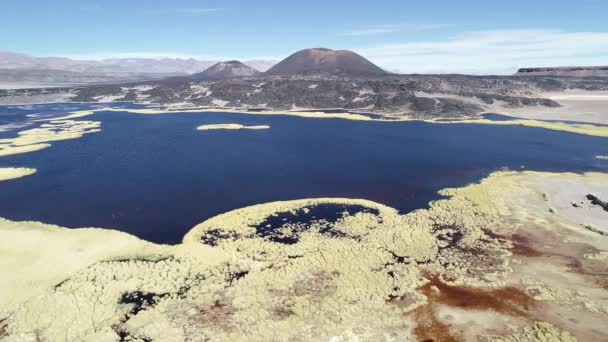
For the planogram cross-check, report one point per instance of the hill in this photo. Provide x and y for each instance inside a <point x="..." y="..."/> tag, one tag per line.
<point x="226" y="70"/>
<point x="326" y="62"/>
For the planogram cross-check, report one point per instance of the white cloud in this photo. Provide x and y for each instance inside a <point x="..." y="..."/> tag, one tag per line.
<point x="197" y="10"/>
<point x="392" y="28"/>
<point x="497" y="51"/>
<point x="186" y="10"/>
<point x="372" y="31"/>
<point x="101" y="55"/>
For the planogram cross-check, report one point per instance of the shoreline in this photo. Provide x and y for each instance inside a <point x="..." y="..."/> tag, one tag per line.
<point x="472" y="249"/>
<point x="575" y="128"/>
<point x="31" y="140"/>
<point x="229" y="127"/>
<point x="9" y="173"/>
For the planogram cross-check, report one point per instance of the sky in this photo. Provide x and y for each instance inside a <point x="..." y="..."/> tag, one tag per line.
<point x="479" y="37"/>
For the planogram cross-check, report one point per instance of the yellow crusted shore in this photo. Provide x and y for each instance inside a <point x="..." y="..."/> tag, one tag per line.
<point x="491" y="261"/>
<point x="230" y="127"/>
<point x="304" y="114"/>
<point x="55" y="129"/>
<point x="7" y="173"/>
<point x="585" y="129"/>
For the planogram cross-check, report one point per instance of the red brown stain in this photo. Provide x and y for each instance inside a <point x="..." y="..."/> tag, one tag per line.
<point x="596" y="272"/>
<point x="523" y="247"/>
<point x="282" y="313"/>
<point x="507" y="300"/>
<point x="217" y="314"/>
<point x="3" y="329"/>
<point x="492" y="234"/>
<point x="430" y="329"/>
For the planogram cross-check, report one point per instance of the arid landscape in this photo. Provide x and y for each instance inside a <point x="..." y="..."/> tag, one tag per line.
<point x="191" y="172"/>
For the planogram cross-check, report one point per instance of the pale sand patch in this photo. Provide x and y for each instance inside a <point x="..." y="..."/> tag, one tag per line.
<point x="230" y="127"/>
<point x="580" y="106"/>
<point x="564" y="197"/>
<point x="72" y="115"/>
<point x="598" y="256"/>
<point x="581" y="95"/>
<point x="325" y="285"/>
<point x="138" y="88"/>
<point x="220" y="103"/>
<point x="538" y="331"/>
<point x="110" y="98"/>
<point x="7" y="173"/>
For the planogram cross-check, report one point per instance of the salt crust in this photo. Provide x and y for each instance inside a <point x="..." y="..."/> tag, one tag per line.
<point x="246" y="287"/>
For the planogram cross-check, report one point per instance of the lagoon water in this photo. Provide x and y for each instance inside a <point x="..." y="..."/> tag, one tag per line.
<point x="156" y="176"/>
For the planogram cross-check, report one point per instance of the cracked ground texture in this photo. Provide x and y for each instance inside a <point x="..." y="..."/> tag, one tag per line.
<point x="491" y="262"/>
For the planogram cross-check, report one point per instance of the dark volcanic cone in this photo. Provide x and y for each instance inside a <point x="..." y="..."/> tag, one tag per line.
<point x="326" y="61"/>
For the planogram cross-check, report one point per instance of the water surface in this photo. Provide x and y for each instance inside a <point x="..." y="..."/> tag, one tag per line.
<point x="156" y="176"/>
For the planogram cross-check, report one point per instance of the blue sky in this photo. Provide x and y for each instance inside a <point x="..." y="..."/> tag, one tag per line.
<point x="411" y="36"/>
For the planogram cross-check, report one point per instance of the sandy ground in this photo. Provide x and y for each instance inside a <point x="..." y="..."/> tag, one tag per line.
<point x="34" y="85"/>
<point x="582" y="106"/>
<point x="501" y="260"/>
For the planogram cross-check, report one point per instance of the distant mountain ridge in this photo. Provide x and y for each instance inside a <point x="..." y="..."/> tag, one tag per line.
<point x="326" y="62"/>
<point x="594" y="71"/>
<point x="12" y="60"/>
<point x="51" y="77"/>
<point x="20" y="68"/>
<point x="324" y="80"/>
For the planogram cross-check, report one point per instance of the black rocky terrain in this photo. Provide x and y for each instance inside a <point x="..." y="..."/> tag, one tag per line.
<point x="414" y="95"/>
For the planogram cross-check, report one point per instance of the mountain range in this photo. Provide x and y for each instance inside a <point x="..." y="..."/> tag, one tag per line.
<point x="16" y="69"/>
<point x="25" y="71"/>
<point x="323" y="79"/>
